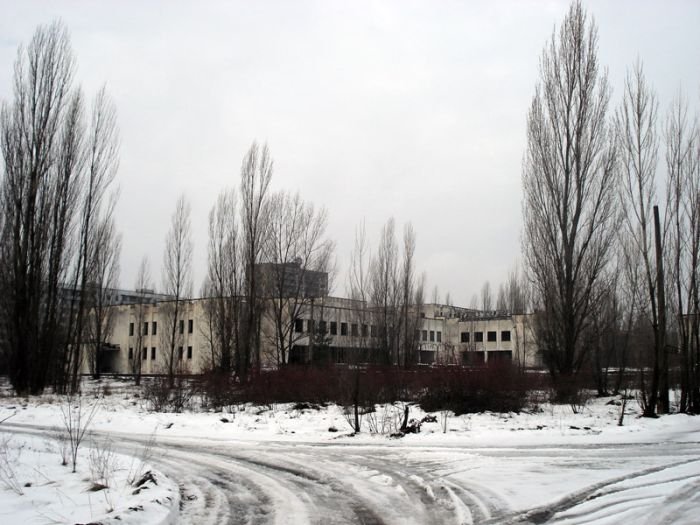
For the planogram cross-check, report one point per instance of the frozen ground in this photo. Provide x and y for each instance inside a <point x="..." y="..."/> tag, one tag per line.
<point x="282" y="465"/>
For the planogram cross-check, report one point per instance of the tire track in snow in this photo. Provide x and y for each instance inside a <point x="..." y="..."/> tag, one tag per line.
<point x="548" y="513"/>
<point x="261" y="483"/>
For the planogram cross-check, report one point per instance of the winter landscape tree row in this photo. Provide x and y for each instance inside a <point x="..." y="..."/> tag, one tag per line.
<point x="610" y="260"/>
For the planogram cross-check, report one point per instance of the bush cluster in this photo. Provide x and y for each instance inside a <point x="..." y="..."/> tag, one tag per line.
<point x="498" y="388"/>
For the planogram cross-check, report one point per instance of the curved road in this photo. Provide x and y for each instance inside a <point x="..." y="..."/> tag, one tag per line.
<point x="287" y="483"/>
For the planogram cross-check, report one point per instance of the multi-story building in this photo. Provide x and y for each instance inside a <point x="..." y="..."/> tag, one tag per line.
<point x="143" y="331"/>
<point x="328" y="329"/>
<point x="300" y="323"/>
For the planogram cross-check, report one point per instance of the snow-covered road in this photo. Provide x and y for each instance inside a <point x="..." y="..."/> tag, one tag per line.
<point x="268" y="482"/>
<point x="283" y="465"/>
<point x="282" y="482"/>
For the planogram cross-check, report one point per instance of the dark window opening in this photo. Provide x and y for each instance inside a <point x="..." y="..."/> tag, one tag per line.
<point x="478" y="337"/>
<point x="190" y="326"/>
<point x="354" y="330"/>
<point x="131" y="328"/>
<point x="145" y="354"/>
<point x="432" y="336"/>
<point x="153" y="353"/>
<point x="145" y="328"/>
<point x="439" y="337"/>
<point x="426" y="357"/>
<point x="131" y="354"/>
<point x="310" y="326"/>
<point x="491" y="337"/>
<point x="473" y="358"/>
<point x="298" y="325"/>
<point x="179" y="353"/>
<point x="334" y="328"/>
<point x="365" y="330"/>
<point x="154" y="328"/>
<point x="500" y="356"/>
<point x="189" y="352"/>
<point x="465" y="337"/>
<point x="505" y="335"/>
<point x="182" y="326"/>
<point x="322" y="327"/>
<point x="343" y="328"/>
<point x="425" y="335"/>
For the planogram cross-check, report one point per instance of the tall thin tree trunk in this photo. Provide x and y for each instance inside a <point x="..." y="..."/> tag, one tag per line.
<point x="661" y="333"/>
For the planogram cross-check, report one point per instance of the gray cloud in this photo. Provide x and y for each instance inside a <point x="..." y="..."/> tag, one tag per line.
<point x="410" y="109"/>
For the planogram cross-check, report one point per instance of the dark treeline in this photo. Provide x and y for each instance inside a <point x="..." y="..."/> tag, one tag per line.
<point x="59" y="250"/>
<point x="613" y="265"/>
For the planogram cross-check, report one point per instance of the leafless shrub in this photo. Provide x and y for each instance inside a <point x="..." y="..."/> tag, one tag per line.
<point x="157" y="393"/>
<point x="103" y="463"/>
<point x="140" y="460"/>
<point x="106" y="390"/>
<point x="579" y="400"/>
<point x="219" y="390"/>
<point x="181" y="395"/>
<point x="61" y="438"/>
<point x="497" y="388"/>
<point x="77" y="417"/>
<point x="444" y="416"/>
<point x="353" y="415"/>
<point x="386" y="420"/>
<point x="9" y="458"/>
<point x="163" y="397"/>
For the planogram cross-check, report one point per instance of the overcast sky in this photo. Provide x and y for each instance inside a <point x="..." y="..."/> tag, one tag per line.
<point x="415" y="110"/>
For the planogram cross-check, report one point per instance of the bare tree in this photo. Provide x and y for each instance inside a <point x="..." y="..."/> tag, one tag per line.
<point x="224" y="281"/>
<point x="359" y="291"/>
<point x="410" y="310"/>
<point x="298" y="258"/>
<point x="631" y="281"/>
<point x="101" y="163"/>
<point x="104" y="276"/>
<point x="692" y="363"/>
<point x="637" y="139"/>
<point x="502" y="300"/>
<point x="435" y="297"/>
<point x="486" y="298"/>
<point x="384" y="294"/>
<point x="474" y="302"/>
<point x="177" y="279"/>
<point x="516" y="289"/>
<point x="46" y="162"/>
<point x="603" y="335"/>
<point x="682" y="223"/>
<point x="256" y="174"/>
<point x="142" y="287"/>
<point x="569" y="191"/>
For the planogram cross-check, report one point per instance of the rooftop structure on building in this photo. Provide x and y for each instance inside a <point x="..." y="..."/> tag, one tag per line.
<point x="291" y="279"/>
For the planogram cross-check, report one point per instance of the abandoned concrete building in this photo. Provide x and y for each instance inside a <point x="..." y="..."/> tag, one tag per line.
<point x="300" y="323"/>
<point x="442" y="334"/>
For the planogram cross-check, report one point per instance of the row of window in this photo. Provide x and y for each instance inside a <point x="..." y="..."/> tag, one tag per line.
<point x="356" y="329"/>
<point x="490" y="336"/>
<point x="154" y="327"/>
<point x="424" y="335"/>
<point x="323" y="327"/>
<point x="144" y="353"/>
<point x="434" y="336"/>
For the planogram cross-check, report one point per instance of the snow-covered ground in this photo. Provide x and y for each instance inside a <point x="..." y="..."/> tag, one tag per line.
<point x="282" y="464"/>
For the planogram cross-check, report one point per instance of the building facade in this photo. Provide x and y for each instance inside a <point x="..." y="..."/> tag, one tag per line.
<point x="324" y="330"/>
